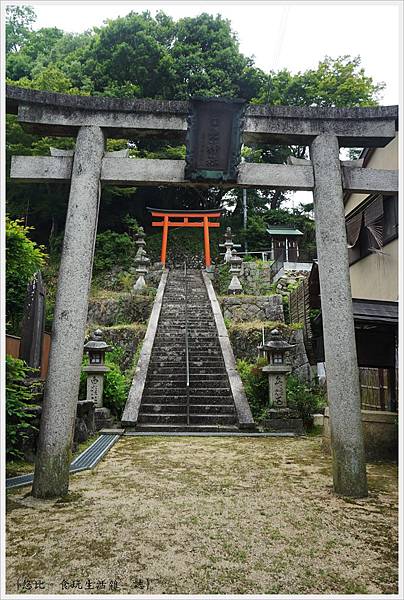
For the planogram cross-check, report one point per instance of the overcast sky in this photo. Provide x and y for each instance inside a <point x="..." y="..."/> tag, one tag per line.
<point x="278" y="34"/>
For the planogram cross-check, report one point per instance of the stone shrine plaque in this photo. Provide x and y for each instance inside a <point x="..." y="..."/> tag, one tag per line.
<point x="214" y="139"/>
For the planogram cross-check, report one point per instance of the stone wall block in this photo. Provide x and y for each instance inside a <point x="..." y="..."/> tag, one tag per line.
<point x="251" y="308"/>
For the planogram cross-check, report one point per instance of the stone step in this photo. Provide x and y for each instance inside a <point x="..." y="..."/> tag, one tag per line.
<point x="181" y="370"/>
<point x="182" y="399"/>
<point x="193" y="391"/>
<point x="168" y="428"/>
<point x="167" y="402"/>
<point x="181" y="408"/>
<point x="168" y="383"/>
<point x="194" y="365"/>
<point x="180" y="419"/>
<point x="172" y="379"/>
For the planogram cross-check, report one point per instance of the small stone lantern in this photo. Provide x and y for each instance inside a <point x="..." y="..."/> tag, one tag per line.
<point x="277" y="370"/>
<point x="228" y="244"/>
<point x="141" y="260"/>
<point x="235" y="262"/>
<point x="96" y="349"/>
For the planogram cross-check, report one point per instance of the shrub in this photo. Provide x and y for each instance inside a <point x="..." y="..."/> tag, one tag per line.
<point x="18" y="401"/>
<point x="304" y="398"/>
<point x="116" y="388"/>
<point x="24" y="258"/>
<point x="256" y="386"/>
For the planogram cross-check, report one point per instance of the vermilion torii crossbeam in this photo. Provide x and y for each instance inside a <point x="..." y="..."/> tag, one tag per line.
<point x="202" y="221"/>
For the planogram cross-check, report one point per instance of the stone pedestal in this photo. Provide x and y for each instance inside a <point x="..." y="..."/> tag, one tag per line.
<point x="103" y="419"/>
<point x="95" y="383"/>
<point x="85" y="422"/>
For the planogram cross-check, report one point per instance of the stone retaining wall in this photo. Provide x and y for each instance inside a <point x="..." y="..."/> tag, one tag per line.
<point x="255" y="277"/>
<point x="239" y="308"/>
<point x="120" y="309"/>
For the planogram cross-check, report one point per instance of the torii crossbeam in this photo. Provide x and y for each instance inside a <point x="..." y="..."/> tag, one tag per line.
<point x="189" y="218"/>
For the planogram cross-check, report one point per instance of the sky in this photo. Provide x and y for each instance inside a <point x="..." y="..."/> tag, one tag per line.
<point x="278" y="34"/>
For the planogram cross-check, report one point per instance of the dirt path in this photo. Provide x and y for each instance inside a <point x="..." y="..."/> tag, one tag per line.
<point x="207" y="515"/>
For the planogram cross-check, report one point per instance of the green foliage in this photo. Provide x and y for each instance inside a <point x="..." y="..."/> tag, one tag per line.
<point x="222" y="279"/>
<point x="18" y="26"/>
<point x="24" y="258"/>
<point x="337" y="82"/>
<point x="255" y="384"/>
<point x="18" y="401"/>
<point x="113" y="249"/>
<point x="304" y="399"/>
<point x="116" y="388"/>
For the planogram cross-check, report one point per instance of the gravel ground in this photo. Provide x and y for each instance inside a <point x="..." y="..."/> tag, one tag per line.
<point x="207" y="515"/>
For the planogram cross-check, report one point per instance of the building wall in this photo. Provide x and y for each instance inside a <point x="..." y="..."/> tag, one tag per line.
<point x="375" y="277"/>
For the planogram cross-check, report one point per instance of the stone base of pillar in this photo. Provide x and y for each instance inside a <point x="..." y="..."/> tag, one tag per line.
<point x="103" y="419"/>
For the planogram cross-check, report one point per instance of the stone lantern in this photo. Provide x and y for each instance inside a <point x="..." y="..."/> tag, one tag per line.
<point x="228" y="244"/>
<point x="235" y="262"/>
<point x="96" y="349"/>
<point x="277" y="370"/>
<point x="141" y="261"/>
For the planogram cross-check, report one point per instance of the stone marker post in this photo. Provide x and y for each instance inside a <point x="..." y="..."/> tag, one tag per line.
<point x="51" y="478"/>
<point x="349" y="468"/>
<point x="33" y="323"/>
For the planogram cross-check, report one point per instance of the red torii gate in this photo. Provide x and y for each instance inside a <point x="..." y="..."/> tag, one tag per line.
<point x="189" y="218"/>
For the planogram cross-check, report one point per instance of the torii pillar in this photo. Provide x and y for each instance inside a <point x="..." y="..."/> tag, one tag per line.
<point x="51" y="477"/>
<point x="349" y="466"/>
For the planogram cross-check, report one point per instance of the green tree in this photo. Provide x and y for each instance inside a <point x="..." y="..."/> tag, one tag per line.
<point x="18" y="26"/>
<point x="24" y="258"/>
<point x="339" y="82"/>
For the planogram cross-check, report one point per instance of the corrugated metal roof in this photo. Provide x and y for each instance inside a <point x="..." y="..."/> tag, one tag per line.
<point x="274" y="230"/>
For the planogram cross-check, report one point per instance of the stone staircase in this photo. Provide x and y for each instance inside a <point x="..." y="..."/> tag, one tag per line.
<point x="167" y="404"/>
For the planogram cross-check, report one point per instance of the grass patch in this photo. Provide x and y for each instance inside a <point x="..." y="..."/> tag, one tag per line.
<point x="18" y="467"/>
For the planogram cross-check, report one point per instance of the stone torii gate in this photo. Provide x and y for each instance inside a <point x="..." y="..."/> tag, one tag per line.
<point x="92" y="120"/>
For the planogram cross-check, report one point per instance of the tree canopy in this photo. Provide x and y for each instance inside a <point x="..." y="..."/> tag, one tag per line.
<point x="156" y="57"/>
